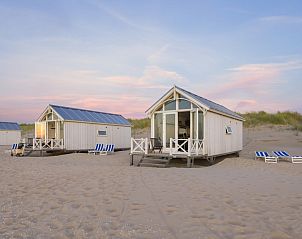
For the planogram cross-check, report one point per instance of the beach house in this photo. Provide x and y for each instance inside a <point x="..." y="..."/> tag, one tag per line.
<point x="10" y="133"/>
<point x="73" y="129"/>
<point x="188" y="125"/>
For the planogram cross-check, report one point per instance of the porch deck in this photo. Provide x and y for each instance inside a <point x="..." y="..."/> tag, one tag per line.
<point x="178" y="148"/>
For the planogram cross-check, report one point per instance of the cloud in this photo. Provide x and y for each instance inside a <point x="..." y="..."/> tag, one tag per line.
<point x="253" y="78"/>
<point x="253" y="86"/>
<point x="120" y="17"/>
<point x="282" y="19"/>
<point x="152" y="77"/>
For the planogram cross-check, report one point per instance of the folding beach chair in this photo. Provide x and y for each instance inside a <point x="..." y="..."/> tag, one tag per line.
<point x="108" y="149"/>
<point x="17" y="149"/>
<point x="286" y="155"/>
<point x="265" y="155"/>
<point x="13" y="149"/>
<point x="98" y="148"/>
<point x="156" y="144"/>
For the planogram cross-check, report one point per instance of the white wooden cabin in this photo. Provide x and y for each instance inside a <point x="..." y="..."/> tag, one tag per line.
<point x="190" y="125"/>
<point x="73" y="129"/>
<point x="10" y="133"/>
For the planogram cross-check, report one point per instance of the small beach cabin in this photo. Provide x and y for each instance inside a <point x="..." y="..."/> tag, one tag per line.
<point x="189" y="125"/>
<point x="10" y="133"/>
<point x="73" y="129"/>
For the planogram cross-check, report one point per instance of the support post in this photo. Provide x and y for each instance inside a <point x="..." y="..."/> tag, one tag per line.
<point x="188" y="162"/>
<point x="171" y="142"/>
<point x="189" y="146"/>
<point x="146" y="146"/>
<point x="131" y="151"/>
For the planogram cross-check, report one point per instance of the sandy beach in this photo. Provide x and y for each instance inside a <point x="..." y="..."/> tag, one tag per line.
<point x="87" y="196"/>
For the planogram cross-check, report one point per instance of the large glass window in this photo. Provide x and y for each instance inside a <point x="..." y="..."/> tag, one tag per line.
<point x="184" y="104"/>
<point x="200" y="125"/>
<point x="158" y="125"/>
<point x="40" y="130"/>
<point x="170" y="105"/>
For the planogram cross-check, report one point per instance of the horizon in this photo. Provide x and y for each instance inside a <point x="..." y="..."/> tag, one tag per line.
<point x="120" y="57"/>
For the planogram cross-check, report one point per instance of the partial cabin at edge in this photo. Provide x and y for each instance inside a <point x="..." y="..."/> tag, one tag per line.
<point x="10" y="133"/>
<point x="79" y="129"/>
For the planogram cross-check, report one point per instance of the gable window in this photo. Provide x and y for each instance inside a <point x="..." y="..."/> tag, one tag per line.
<point x="171" y="105"/>
<point x="102" y="133"/>
<point x="228" y="130"/>
<point x="184" y="104"/>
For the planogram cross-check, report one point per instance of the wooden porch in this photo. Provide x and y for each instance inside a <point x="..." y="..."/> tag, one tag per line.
<point x="187" y="149"/>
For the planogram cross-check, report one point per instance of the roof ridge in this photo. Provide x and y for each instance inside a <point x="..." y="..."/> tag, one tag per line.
<point x="67" y="107"/>
<point x="234" y="113"/>
<point x="202" y="97"/>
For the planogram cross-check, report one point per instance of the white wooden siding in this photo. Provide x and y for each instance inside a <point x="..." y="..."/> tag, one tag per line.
<point x="83" y="136"/>
<point x="9" y="137"/>
<point x="216" y="140"/>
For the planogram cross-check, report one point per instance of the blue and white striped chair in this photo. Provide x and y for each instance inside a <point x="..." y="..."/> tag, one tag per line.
<point x="98" y="149"/>
<point x="13" y="149"/>
<point x="108" y="149"/>
<point x="286" y="155"/>
<point x="265" y="155"/>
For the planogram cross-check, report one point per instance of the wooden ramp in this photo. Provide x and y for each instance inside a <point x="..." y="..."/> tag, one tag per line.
<point x="154" y="160"/>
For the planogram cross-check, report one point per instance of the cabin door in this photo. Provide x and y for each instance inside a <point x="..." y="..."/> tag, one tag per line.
<point x="169" y="129"/>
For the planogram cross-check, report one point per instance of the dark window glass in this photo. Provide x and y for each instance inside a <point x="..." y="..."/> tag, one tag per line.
<point x="170" y="105"/>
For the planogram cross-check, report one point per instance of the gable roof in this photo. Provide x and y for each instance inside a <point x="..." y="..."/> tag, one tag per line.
<point x="83" y="115"/>
<point x="9" y="126"/>
<point x="203" y="102"/>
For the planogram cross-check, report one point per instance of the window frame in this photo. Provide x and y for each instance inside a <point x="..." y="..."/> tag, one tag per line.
<point x="102" y="135"/>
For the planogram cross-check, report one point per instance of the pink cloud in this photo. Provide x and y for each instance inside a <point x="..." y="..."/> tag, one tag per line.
<point x="252" y="86"/>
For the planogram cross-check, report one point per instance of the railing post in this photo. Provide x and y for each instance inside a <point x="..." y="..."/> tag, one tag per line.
<point x="189" y="146"/>
<point x="171" y="142"/>
<point x="146" y="146"/>
<point x="40" y="143"/>
<point x="131" y="151"/>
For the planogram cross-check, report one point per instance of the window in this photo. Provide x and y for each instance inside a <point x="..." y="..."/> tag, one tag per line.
<point x="171" y="105"/>
<point x="158" y="125"/>
<point x="102" y="133"/>
<point x="200" y="125"/>
<point x="228" y="130"/>
<point x="184" y="104"/>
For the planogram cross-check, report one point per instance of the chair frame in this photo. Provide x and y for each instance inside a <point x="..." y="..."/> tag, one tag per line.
<point x="156" y="144"/>
<point x="267" y="158"/>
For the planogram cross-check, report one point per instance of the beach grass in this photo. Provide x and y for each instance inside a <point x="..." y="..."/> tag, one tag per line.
<point x="292" y="119"/>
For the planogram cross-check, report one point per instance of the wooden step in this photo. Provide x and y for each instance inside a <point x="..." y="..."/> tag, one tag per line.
<point x="159" y="165"/>
<point x="155" y="160"/>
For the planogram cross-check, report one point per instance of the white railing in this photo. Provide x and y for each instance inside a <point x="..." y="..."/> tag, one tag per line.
<point x="39" y="144"/>
<point x="197" y="147"/>
<point x="139" y="146"/>
<point x="188" y="146"/>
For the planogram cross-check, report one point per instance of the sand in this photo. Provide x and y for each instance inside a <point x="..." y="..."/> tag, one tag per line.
<point x="87" y="196"/>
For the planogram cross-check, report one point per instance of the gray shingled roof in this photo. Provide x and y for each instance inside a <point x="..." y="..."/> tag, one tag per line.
<point x="210" y="104"/>
<point x="9" y="126"/>
<point x="68" y="113"/>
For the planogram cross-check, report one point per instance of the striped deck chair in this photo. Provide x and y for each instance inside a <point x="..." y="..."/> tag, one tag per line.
<point x="281" y="154"/>
<point x="13" y="149"/>
<point x="98" y="148"/>
<point x="109" y="149"/>
<point x="286" y="155"/>
<point x="265" y="155"/>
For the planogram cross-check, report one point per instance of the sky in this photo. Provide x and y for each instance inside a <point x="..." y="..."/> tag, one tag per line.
<point x="122" y="56"/>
